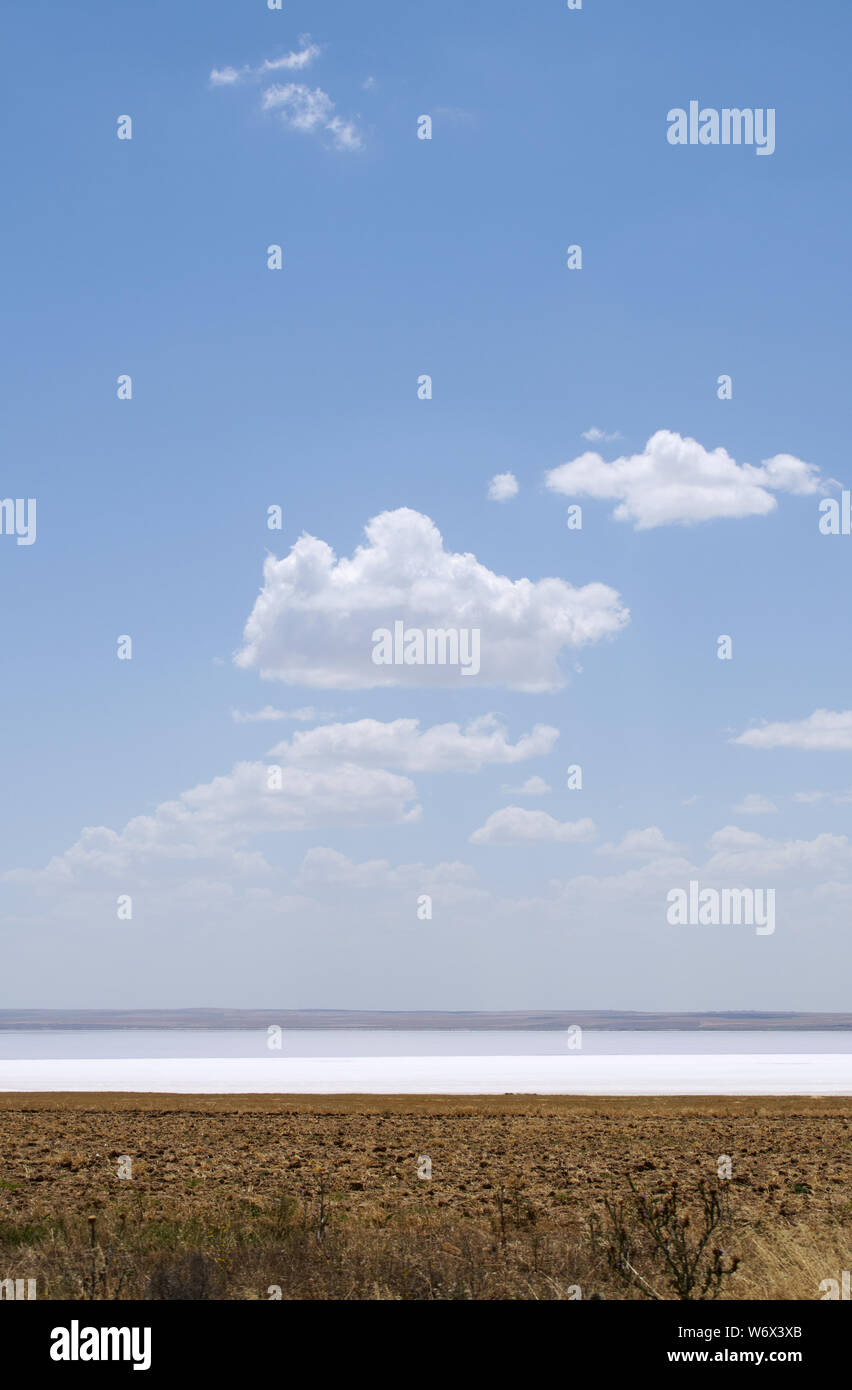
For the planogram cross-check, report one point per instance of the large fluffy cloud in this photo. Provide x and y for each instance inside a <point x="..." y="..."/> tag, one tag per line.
<point x="313" y="621"/>
<point x="677" y="481"/>
<point x="401" y="744"/>
<point x="827" y="731"/>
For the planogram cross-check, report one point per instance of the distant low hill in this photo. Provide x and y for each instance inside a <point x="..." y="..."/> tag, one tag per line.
<point x="11" y="1019"/>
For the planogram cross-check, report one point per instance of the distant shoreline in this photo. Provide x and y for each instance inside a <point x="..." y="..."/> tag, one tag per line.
<point x="34" y="1020"/>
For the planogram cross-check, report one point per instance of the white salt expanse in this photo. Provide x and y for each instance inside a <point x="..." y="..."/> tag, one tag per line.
<point x="781" y="1073"/>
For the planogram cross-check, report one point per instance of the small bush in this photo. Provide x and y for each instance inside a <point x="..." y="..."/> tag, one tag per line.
<point x="674" y="1245"/>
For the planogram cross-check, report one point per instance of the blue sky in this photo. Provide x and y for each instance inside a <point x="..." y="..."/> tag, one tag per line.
<point x="298" y="388"/>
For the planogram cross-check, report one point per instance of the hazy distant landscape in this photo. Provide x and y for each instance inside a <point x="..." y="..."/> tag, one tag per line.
<point x="609" y="1019"/>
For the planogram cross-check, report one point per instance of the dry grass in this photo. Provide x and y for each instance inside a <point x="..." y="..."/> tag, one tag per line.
<point x="320" y="1195"/>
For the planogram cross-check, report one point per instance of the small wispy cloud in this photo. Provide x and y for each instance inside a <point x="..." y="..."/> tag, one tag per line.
<point x="533" y="786"/>
<point x="302" y="108"/>
<point x="454" y="113"/>
<point x="811" y="798"/>
<point x="227" y="77"/>
<point x="295" y="61"/>
<point x="346" y="134"/>
<point x="754" y="805"/>
<point x="649" y="843"/>
<point x="269" y="715"/>
<point x="597" y="436"/>
<point x="515" y="825"/>
<point x="308" y="110"/>
<point x="502" y="487"/>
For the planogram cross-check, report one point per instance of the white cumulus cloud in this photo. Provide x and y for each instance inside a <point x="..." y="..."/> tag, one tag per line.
<point x="313" y="621"/>
<point x="642" y="844"/>
<point x="452" y="881"/>
<point x="515" y="825"/>
<point x="400" y="743"/>
<point x="740" y="853"/>
<point x="215" y="819"/>
<point x="828" y="731"/>
<point x="675" y="480"/>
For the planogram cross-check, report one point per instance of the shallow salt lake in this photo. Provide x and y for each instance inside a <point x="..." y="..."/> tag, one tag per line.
<point x="439" y="1062"/>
